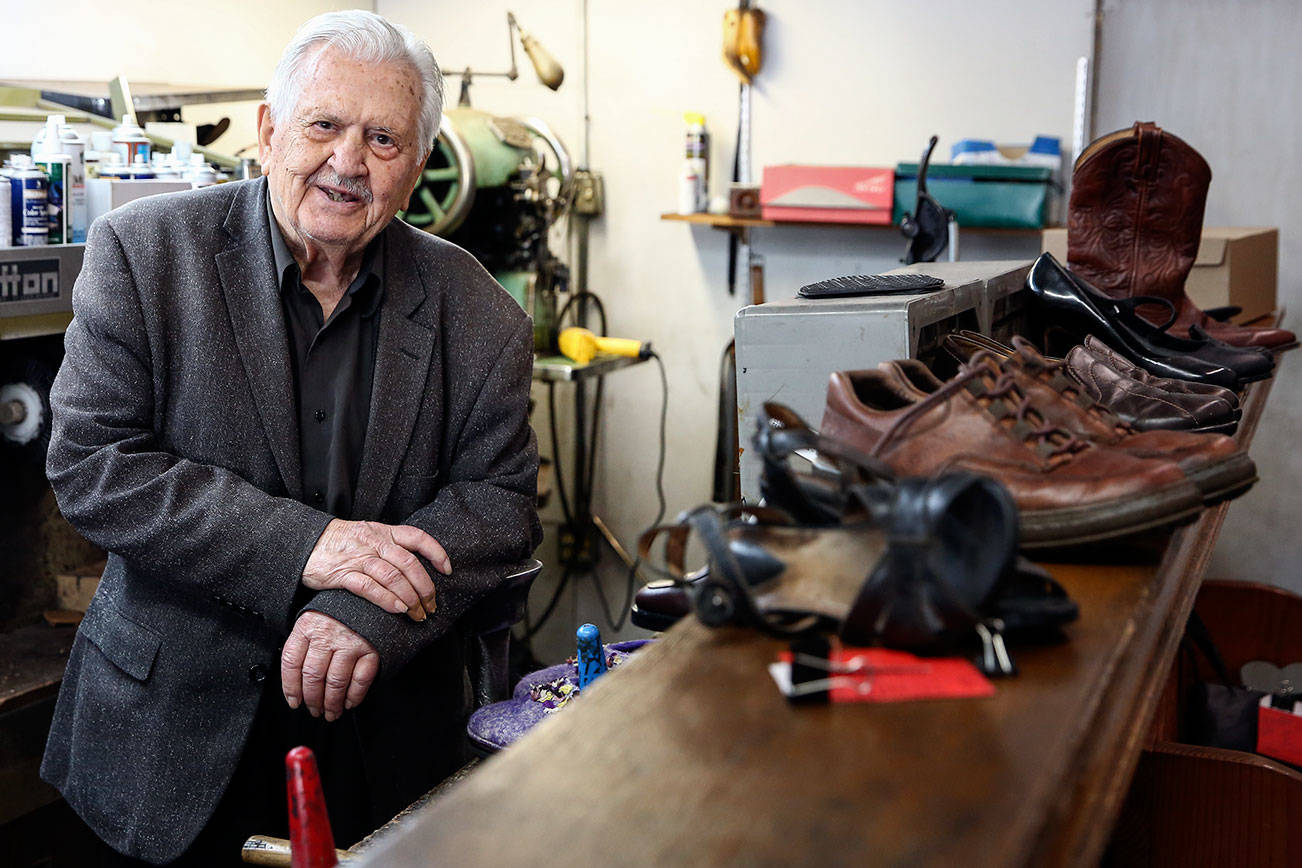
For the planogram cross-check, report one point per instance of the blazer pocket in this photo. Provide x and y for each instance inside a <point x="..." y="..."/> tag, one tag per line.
<point x="129" y="646"/>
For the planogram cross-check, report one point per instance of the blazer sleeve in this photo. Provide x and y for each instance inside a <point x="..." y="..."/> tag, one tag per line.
<point x="174" y="520"/>
<point x="485" y="516"/>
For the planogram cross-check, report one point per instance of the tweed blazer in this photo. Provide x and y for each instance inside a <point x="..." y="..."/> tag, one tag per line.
<point x="175" y="447"/>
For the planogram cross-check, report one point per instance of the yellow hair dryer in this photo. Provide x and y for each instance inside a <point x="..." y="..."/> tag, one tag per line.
<point x="581" y="345"/>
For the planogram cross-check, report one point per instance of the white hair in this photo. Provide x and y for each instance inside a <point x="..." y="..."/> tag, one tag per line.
<point x="366" y="37"/>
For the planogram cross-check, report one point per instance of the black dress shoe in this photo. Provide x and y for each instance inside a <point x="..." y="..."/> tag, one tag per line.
<point x="1248" y="363"/>
<point x="1069" y="305"/>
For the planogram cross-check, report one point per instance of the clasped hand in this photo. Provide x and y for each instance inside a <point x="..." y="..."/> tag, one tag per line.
<point x="378" y="562"/>
<point x="327" y="666"/>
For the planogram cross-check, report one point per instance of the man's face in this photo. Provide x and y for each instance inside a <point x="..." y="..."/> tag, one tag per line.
<point x="346" y="159"/>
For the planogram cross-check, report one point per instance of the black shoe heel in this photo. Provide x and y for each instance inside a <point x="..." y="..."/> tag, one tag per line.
<point x="1064" y="305"/>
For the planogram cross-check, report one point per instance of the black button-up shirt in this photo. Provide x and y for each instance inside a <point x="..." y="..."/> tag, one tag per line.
<point x="334" y="369"/>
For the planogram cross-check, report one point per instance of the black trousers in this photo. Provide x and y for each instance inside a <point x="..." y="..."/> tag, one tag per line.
<point x="255" y="801"/>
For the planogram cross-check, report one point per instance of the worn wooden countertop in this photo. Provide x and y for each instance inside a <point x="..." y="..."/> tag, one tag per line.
<point x="687" y="754"/>
<point x="32" y="660"/>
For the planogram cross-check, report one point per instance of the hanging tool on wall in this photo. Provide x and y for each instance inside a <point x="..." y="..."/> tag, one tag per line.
<point x="931" y="227"/>
<point x="743" y="33"/>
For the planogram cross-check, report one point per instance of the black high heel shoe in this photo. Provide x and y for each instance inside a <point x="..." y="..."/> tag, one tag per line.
<point x="1248" y="363"/>
<point x="1063" y="304"/>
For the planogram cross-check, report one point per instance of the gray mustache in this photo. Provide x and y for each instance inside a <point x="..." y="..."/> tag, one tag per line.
<point x="351" y="186"/>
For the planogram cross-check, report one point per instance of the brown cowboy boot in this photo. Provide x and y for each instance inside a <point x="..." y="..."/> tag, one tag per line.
<point x="1134" y="223"/>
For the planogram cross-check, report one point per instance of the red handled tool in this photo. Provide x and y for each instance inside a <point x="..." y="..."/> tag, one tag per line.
<point x="311" y="843"/>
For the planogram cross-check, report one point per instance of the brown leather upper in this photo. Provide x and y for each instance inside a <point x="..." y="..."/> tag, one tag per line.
<point x="1132" y="394"/>
<point x="1122" y="365"/>
<point x="1134" y="223"/>
<point x="982" y="422"/>
<point x="1065" y="404"/>
<point x="1145" y="405"/>
<point x="1135" y="216"/>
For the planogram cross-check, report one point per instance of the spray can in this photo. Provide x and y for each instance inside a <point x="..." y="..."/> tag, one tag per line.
<point x="689" y="190"/>
<point x="141" y="169"/>
<point x="74" y="145"/>
<point x="111" y="168"/>
<point x="130" y="140"/>
<point x="200" y="174"/>
<point x="57" y="166"/>
<point x="6" y="211"/>
<point x="101" y="145"/>
<point x="697" y="153"/>
<point x="29" y="194"/>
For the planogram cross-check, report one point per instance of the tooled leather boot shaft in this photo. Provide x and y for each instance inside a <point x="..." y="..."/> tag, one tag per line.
<point x="1135" y="215"/>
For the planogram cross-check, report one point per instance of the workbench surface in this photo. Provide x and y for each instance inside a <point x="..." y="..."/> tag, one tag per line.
<point x="688" y="755"/>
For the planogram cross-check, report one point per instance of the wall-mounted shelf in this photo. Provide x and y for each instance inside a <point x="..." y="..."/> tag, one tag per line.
<point x="738" y="224"/>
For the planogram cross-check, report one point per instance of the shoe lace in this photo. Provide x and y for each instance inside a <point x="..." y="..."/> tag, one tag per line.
<point x="1000" y="396"/>
<point x="1053" y="372"/>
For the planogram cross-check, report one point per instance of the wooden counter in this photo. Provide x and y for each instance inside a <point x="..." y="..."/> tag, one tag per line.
<point x="32" y="660"/>
<point x="687" y="754"/>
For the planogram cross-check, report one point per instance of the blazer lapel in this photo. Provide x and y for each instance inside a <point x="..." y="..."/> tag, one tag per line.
<point x="248" y="275"/>
<point x="402" y="362"/>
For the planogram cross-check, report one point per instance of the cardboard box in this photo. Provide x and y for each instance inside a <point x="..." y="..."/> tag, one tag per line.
<point x="827" y="194"/>
<point x="76" y="588"/>
<point x="1236" y="265"/>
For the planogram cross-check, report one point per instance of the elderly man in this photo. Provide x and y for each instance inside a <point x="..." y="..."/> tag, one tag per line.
<point x="300" y="429"/>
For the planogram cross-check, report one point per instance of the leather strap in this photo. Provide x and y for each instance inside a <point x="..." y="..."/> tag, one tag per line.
<point x="1149" y="135"/>
<point x="1130" y="304"/>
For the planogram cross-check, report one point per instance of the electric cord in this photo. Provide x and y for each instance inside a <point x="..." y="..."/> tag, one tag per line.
<point x="576" y="509"/>
<point x="576" y="503"/>
<point x="631" y="576"/>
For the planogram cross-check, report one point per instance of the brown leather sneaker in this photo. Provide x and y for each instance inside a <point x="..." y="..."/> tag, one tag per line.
<point x="1121" y="364"/>
<point x="1135" y="396"/>
<point x="1148" y="406"/>
<point x="1213" y="462"/>
<point x="1067" y="490"/>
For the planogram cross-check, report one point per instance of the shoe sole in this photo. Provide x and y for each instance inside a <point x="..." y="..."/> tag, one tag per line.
<point x="1076" y="525"/>
<point x="1223" y="428"/>
<point x="653" y="621"/>
<point x="1224" y="480"/>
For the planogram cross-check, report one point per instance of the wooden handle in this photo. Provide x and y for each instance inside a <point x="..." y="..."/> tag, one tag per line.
<point x="265" y="850"/>
<point x="743" y="36"/>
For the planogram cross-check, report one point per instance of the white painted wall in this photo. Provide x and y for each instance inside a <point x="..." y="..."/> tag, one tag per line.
<point x="1220" y="75"/>
<point x="845" y="81"/>
<point x="221" y="43"/>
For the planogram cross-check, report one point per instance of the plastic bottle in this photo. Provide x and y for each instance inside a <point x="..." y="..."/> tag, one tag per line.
<point x="6" y="211"/>
<point x="101" y="144"/>
<point x="111" y="168"/>
<point x="29" y="193"/>
<point x="130" y="140"/>
<point x="141" y="169"/>
<point x="164" y="167"/>
<point x="74" y="145"/>
<point x="58" y="167"/>
<point x="201" y="174"/>
<point x="697" y="153"/>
